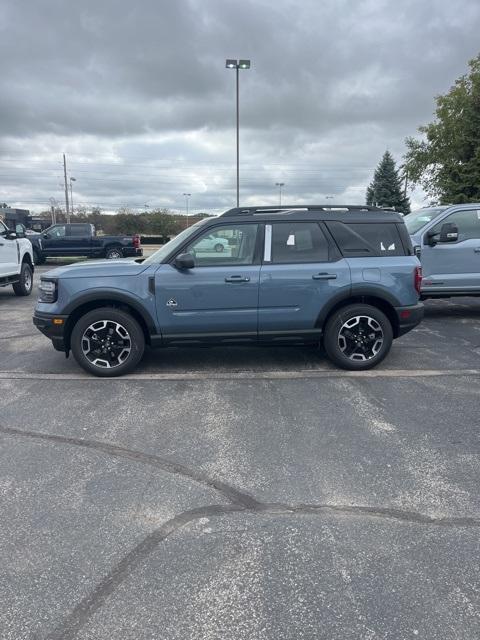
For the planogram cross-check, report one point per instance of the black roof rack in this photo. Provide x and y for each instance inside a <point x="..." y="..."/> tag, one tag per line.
<point x="245" y="211"/>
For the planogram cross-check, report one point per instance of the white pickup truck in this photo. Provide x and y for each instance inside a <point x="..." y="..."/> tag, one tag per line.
<point x="16" y="261"/>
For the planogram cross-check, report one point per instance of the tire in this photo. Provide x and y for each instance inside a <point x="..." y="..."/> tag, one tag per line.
<point x="357" y="322"/>
<point x="38" y="258"/>
<point x="121" y="328"/>
<point x="219" y="248"/>
<point x="113" y="253"/>
<point x="24" y="286"/>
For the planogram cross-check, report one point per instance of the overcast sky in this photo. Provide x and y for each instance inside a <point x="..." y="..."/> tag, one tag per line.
<point x="138" y="97"/>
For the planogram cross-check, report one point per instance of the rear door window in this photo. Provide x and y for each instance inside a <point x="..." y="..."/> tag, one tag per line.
<point x="296" y="242"/>
<point x="367" y="239"/>
<point x="79" y="230"/>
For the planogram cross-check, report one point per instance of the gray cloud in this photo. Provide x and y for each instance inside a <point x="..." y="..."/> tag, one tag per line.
<point x="138" y="97"/>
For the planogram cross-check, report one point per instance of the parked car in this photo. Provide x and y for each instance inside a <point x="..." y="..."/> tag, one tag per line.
<point x="80" y="239"/>
<point x="447" y="240"/>
<point x="344" y="276"/>
<point x="16" y="260"/>
<point x="212" y="243"/>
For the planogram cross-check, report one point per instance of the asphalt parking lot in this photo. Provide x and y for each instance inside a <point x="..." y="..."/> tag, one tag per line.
<point x="238" y="494"/>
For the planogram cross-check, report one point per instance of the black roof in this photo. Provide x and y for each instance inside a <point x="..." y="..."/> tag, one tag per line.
<point x="344" y="213"/>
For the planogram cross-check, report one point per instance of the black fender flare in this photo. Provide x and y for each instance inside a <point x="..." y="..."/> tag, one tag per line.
<point x="112" y="295"/>
<point x="352" y="294"/>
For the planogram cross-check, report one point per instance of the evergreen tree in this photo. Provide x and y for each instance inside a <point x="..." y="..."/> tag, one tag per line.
<point x="446" y="162"/>
<point x="386" y="190"/>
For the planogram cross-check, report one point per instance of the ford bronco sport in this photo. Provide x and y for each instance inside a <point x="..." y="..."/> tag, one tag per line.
<point x="343" y="276"/>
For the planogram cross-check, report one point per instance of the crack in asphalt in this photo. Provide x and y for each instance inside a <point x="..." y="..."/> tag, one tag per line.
<point x="233" y="495"/>
<point x="84" y="610"/>
<point x="242" y="502"/>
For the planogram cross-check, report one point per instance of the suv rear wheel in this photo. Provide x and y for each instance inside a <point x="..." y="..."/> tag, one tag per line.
<point x="24" y="286"/>
<point x="358" y="337"/>
<point x="107" y="342"/>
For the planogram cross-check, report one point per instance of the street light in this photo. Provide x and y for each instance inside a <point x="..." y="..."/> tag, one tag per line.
<point x="71" y="192"/>
<point x="279" y="185"/>
<point x="237" y="65"/>
<point x="187" y="196"/>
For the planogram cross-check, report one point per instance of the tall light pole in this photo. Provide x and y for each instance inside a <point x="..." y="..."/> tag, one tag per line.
<point x="279" y="185"/>
<point x="187" y="196"/>
<point x="237" y="65"/>
<point x="71" y="192"/>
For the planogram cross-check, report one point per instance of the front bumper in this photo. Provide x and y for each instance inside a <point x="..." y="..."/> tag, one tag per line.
<point x="53" y="330"/>
<point x="409" y="317"/>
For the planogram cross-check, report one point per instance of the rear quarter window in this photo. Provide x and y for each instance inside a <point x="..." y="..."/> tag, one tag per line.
<point x="368" y="239"/>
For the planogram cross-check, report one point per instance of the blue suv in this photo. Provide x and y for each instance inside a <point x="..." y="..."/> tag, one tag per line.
<point x="346" y="277"/>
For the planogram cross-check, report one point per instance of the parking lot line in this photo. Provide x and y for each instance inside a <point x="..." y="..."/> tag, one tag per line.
<point x="248" y="375"/>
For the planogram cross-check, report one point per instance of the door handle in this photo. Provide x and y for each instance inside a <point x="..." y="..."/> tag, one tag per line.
<point x="237" y="279"/>
<point x="325" y="276"/>
<point x="1" y="244"/>
<point x="477" y="249"/>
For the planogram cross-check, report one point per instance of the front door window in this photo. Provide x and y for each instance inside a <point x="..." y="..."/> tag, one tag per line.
<point x="225" y="246"/>
<point x="468" y="223"/>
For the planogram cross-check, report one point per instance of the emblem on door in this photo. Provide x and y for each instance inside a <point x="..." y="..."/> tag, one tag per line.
<point x="172" y="303"/>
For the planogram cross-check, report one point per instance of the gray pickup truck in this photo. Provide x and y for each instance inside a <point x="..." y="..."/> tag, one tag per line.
<point x="80" y="239"/>
<point x="447" y="241"/>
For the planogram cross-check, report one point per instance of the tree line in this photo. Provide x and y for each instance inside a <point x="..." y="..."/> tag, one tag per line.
<point x="157" y="222"/>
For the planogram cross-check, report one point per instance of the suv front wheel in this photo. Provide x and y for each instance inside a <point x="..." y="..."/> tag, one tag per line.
<point x="358" y="337"/>
<point x="107" y="342"/>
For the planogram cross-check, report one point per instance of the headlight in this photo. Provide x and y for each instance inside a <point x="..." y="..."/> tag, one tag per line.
<point x="48" y="290"/>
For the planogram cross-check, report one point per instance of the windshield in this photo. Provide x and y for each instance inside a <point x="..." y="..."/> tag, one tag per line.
<point x="164" y="251"/>
<point x="418" y="219"/>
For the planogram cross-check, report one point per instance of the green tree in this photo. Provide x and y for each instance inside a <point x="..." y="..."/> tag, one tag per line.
<point x="385" y="190"/>
<point x="446" y="161"/>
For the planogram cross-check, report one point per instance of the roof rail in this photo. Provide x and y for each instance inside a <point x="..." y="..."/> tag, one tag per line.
<point x="245" y="211"/>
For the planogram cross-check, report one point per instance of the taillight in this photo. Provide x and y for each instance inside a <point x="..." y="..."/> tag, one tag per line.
<point x="136" y="241"/>
<point x="418" y="279"/>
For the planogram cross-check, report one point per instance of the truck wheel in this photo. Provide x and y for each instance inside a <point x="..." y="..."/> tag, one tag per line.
<point x="113" y="253"/>
<point x="24" y="286"/>
<point x="357" y="337"/>
<point x="38" y="258"/>
<point x="107" y="342"/>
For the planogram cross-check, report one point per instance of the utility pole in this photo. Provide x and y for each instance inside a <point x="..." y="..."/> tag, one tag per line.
<point x="66" y="189"/>
<point x="71" y="193"/>
<point x="406" y="183"/>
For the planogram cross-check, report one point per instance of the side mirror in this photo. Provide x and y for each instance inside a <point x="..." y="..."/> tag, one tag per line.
<point x="46" y="236"/>
<point x="184" y="261"/>
<point x="11" y="235"/>
<point x="449" y="232"/>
